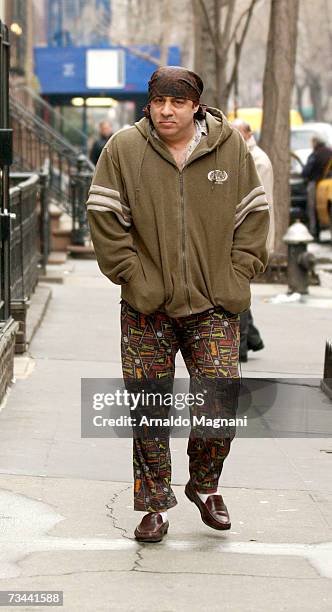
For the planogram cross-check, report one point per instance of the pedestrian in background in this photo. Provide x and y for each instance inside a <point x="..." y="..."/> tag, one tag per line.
<point x="314" y="171"/>
<point x="250" y="337"/>
<point x="179" y="219"/>
<point x="105" y="133"/>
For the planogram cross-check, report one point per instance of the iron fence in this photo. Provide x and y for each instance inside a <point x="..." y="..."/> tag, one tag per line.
<point x="80" y="182"/>
<point x="44" y="215"/>
<point x="28" y="98"/>
<point x="4" y="177"/>
<point x="36" y="142"/>
<point x="24" y="242"/>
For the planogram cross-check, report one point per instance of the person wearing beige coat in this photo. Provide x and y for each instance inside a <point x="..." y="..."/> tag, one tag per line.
<point x="250" y="336"/>
<point x="265" y="173"/>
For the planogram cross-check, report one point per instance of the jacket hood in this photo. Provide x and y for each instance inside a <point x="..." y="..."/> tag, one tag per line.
<point x="219" y="128"/>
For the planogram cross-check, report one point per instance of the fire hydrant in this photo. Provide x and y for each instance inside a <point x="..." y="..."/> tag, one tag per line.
<point x="300" y="261"/>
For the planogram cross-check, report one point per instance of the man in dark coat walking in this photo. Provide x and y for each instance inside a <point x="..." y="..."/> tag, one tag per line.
<point x="105" y="132"/>
<point x="314" y="171"/>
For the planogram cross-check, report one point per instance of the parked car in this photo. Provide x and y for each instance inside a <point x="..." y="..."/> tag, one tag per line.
<point x="324" y="200"/>
<point x="301" y="136"/>
<point x="301" y="147"/>
<point x="298" y="190"/>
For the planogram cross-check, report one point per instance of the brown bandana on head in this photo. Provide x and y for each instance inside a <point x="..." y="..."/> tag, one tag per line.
<point x="176" y="82"/>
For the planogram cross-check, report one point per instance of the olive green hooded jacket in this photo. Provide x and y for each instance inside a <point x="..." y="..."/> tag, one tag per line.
<point x="179" y="241"/>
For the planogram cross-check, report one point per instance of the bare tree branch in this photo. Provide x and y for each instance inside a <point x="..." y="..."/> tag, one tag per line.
<point x="167" y="23"/>
<point x="212" y="32"/>
<point x="236" y="27"/>
<point x="228" y="23"/>
<point x="138" y="53"/>
<point x="239" y="46"/>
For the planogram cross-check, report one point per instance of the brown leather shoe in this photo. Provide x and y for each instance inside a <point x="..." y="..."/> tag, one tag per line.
<point x="214" y="513"/>
<point x="151" y="528"/>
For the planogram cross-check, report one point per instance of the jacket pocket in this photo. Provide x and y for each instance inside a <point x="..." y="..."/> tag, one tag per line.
<point x="125" y="280"/>
<point x="233" y="290"/>
<point x="238" y="269"/>
<point x="239" y="289"/>
<point x="145" y="290"/>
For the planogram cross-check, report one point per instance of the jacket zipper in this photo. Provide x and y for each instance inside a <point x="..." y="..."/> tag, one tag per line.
<point x="185" y="276"/>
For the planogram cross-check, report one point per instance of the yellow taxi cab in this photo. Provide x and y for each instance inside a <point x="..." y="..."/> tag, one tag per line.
<point x="254" y="117"/>
<point x="324" y="199"/>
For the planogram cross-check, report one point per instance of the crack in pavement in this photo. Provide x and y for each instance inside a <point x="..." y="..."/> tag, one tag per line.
<point x="112" y="516"/>
<point x="136" y="566"/>
<point x="191" y="573"/>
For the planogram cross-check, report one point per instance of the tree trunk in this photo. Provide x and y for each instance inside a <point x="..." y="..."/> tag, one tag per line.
<point x="224" y="12"/>
<point x="197" y="30"/>
<point x="205" y="48"/>
<point x="277" y="92"/>
<point x="166" y="30"/>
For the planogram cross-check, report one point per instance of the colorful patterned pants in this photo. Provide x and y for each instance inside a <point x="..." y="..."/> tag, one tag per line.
<point x="209" y="343"/>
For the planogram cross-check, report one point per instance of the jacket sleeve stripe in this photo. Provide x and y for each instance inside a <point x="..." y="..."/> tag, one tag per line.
<point x="258" y="201"/>
<point x="257" y="191"/>
<point x="112" y="193"/>
<point x="252" y="207"/>
<point x="103" y="190"/>
<point x="98" y="208"/>
<point x="110" y="203"/>
<point x="105" y="193"/>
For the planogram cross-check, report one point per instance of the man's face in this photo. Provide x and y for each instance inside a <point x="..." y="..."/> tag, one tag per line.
<point x="243" y="131"/>
<point x="105" y="129"/>
<point x="172" y="117"/>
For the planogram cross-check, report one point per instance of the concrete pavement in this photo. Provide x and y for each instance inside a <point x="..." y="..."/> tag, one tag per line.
<point x="66" y="505"/>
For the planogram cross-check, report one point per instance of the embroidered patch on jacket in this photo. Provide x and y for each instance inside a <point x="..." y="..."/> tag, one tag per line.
<point x="218" y="176"/>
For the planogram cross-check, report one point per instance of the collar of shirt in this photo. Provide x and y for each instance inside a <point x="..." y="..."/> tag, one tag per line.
<point x="251" y="142"/>
<point x="201" y="130"/>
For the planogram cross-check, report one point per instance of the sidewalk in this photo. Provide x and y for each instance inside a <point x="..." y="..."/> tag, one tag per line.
<point x="66" y="504"/>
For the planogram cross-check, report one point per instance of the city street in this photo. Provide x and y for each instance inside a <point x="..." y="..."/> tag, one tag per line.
<point x="66" y="504"/>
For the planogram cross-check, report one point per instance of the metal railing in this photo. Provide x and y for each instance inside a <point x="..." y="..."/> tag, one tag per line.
<point x="24" y="224"/>
<point x="4" y="179"/>
<point x="36" y="143"/>
<point x="80" y="182"/>
<point x="24" y="241"/>
<point x="31" y="100"/>
<point x="44" y="215"/>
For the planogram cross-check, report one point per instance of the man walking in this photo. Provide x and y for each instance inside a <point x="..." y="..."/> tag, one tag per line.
<point x="250" y="338"/>
<point x="314" y="171"/>
<point x="179" y="219"/>
<point x="105" y="133"/>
